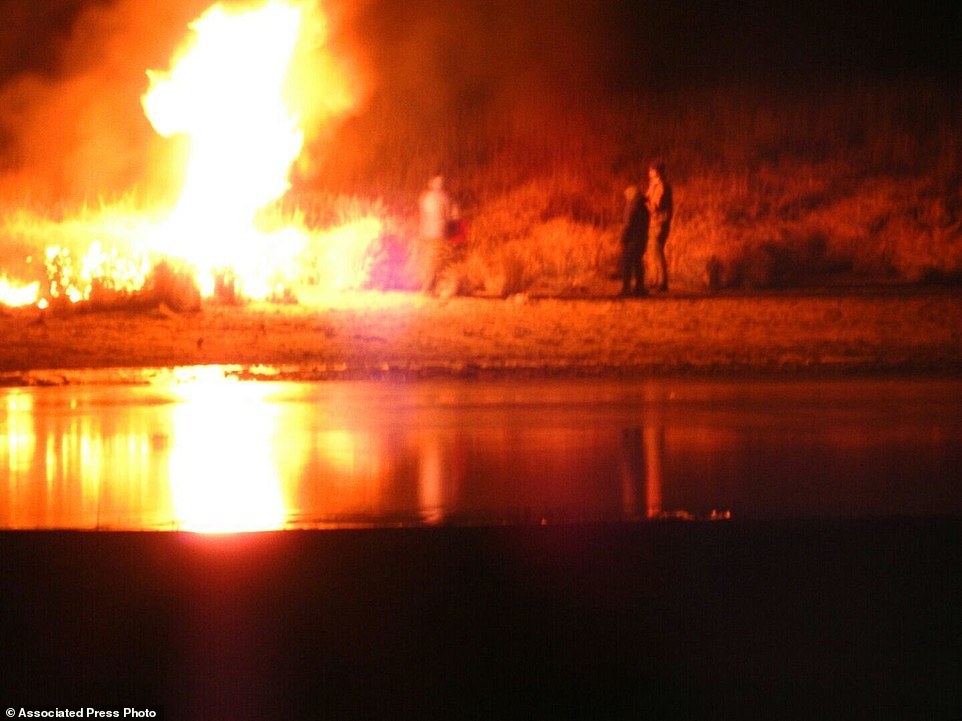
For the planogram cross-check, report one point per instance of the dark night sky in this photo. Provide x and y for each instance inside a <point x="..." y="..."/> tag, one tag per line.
<point x="634" y="39"/>
<point x="634" y="44"/>
<point x="811" y="38"/>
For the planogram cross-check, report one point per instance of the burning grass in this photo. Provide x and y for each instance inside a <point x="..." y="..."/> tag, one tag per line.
<point x="98" y="257"/>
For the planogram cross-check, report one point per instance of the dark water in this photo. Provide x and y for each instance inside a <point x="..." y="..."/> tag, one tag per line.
<point x="199" y="451"/>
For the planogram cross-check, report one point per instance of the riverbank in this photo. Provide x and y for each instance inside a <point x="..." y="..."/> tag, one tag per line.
<point x="404" y="335"/>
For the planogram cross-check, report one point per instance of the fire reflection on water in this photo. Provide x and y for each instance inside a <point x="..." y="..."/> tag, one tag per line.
<point x="201" y="451"/>
<point x="20" y="443"/>
<point x="223" y="472"/>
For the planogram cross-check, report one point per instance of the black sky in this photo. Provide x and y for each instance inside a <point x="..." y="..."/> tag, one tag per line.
<point x="805" y="38"/>
<point x="637" y="43"/>
<point x="608" y="41"/>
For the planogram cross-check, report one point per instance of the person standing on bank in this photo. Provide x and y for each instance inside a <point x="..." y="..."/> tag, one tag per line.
<point x="634" y="238"/>
<point x="660" y="208"/>
<point x="435" y="208"/>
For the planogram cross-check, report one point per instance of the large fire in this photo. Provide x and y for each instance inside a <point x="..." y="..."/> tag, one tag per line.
<point x="236" y="96"/>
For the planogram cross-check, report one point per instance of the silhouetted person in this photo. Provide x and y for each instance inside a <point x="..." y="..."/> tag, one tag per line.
<point x="658" y="198"/>
<point x="634" y="238"/>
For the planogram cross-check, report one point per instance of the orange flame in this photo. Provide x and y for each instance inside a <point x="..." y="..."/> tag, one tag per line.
<point x="239" y="92"/>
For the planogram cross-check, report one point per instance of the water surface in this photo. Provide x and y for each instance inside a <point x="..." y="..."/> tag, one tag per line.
<point x="203" y="451"/>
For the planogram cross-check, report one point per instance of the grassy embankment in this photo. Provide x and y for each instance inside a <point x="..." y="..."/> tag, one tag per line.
<point x="774" y="188"/>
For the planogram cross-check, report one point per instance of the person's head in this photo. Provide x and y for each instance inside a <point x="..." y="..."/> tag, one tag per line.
<point x="436" y="182"/>
<point x="656" y="168"/>
<point x="630" y="192"/>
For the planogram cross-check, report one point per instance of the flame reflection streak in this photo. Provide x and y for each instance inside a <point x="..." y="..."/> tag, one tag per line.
<point x="431" y="480"/>
<point x="654" y="449"/>
<point x="642" y="454"/>
<point x="16" y="453"/>
<point x="21" y="441"/>
<point x="223" y="476"/>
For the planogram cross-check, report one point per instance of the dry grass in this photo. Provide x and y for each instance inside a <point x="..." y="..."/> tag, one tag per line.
<point x="774" y="187"/>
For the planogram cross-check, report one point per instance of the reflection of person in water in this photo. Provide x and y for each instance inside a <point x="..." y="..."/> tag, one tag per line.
<point x="654" y="436"/>
<point x="641" y="468"/>
<point x="441" y="471"/>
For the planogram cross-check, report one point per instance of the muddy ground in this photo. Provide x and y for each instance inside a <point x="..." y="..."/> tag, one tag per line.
<point x="852" y="330"/>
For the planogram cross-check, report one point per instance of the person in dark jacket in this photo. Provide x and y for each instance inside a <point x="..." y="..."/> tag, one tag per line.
<point x="634" y="240"/>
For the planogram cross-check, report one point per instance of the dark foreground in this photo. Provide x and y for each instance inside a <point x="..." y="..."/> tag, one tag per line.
<point x="802" y="619"/>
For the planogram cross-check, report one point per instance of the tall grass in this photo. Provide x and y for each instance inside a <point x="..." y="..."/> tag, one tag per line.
<point x="774" y="186"/>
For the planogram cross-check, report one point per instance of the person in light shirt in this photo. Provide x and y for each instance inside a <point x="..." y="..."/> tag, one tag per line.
<point x="436" y="212"/>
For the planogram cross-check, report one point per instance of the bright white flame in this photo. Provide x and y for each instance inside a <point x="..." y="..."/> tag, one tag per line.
<point x="344" y="252"/>
<point x="225" y="93"/>
<point x="17" y="294"/>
